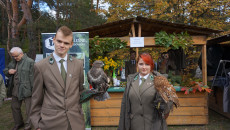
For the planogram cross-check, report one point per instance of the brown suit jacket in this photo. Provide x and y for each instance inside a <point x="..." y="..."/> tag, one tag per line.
<point x="54" y="105"/>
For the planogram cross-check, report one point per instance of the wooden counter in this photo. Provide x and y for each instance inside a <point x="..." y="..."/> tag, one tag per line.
<point x="193" y="109"/>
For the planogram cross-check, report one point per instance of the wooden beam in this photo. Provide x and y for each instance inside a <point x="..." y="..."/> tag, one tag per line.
<point x="133" y="29"/>
<point x="204" y="64"/>
<point x="150" y="41"/>
<point x="139" y="35"/>
<point x="139" y="30"/>
<point x="172" y="27"/>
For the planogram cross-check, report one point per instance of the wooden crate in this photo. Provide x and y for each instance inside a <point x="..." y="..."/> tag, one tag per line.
<point x="193" y="110"/>
<point x="216" y="102"/>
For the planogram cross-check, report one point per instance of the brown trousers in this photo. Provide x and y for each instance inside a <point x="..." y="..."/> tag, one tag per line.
<point x="16" y="111"/>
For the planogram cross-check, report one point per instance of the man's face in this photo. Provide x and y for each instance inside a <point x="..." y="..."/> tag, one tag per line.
<point x="17" y="56"/>
<point x="62" y="44"/>
<point x="132" y="56"/>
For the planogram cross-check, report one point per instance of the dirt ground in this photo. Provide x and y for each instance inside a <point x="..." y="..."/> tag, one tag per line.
<point x="216" y="121"/>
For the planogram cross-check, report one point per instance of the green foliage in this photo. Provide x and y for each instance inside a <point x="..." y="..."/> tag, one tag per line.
<point x="163" y="39"/>
<point x="175" y="41"/>
<point x="104" y="46"/>
<point x="76" y="14"/>
<point x="207" y="13"/>
<point x="174" y="79"/>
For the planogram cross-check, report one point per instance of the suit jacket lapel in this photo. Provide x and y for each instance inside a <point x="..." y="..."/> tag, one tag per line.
<point x="70" y="68"/>
<point x="135" y="86"/>
<point x="55" y="71"/>
<point x="147" y="84"/>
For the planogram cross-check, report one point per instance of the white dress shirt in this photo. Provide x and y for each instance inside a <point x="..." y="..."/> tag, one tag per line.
<point x="133" y="62"/>
<point x="145" y="77"/>
<point x="57" y="59"/>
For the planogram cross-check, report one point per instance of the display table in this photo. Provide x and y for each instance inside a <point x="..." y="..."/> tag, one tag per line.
<point x="193" y="109"/>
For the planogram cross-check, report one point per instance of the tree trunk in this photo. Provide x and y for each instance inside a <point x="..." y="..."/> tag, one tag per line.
<point x="3" y="28"/>
<point x="57" y="13"/>
<point x="14" y="29"/>
<point x="91" y="6"/>
<point x="30" y="28"/>
<point x="9" y="25"/>
<point x="97" y="4"/>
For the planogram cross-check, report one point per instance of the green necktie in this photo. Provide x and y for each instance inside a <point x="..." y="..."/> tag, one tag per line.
<point x="142" y="82"/>
<point x="63" y="72"/>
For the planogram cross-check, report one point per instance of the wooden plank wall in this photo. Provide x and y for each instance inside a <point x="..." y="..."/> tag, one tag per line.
<point x="216" y="102"/>
<point x="193" y="110"/>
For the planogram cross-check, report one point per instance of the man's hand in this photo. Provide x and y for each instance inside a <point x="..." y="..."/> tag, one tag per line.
<point x="12" y="71"/>
<point x="38" y="129"/>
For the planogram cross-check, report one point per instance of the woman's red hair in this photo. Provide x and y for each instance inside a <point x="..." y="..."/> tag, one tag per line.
<point x="147" y="58"/>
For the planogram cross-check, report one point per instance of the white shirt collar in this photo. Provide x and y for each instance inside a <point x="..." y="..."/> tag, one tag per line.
<point x="58" y="58"/>
<point x="146" y="76"/>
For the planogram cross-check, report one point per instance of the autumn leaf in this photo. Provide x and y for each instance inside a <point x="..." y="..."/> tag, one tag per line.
<point x="186" y="92"/>
<point x="208" y="90"/>
<point x="199" y="88"/>
<point x="183" y="89"/>
<point x="194" y="90"/>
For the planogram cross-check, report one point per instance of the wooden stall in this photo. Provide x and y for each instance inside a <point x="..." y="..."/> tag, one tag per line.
<point x="194" y="108"/>
<point x="216" y="98"/>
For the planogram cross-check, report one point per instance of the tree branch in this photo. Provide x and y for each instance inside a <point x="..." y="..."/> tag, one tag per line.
<point x="3" y="5"/>
<point x="23" y="20"/>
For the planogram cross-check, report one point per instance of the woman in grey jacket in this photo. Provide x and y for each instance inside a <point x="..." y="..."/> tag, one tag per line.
<point x="139" y="104"/>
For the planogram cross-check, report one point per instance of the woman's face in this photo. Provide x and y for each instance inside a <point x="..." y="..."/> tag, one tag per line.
<point x="143" y="68"/>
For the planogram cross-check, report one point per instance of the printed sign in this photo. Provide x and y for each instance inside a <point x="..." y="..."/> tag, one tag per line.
<point x="137" y="42"/>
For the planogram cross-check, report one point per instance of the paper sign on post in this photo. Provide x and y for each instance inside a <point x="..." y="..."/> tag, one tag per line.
<point x="137" y="42"/>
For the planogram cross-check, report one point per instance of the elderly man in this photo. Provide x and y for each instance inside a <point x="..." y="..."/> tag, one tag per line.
<point x="20" y="71"/>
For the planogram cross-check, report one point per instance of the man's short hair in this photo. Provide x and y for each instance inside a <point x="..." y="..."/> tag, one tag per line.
<point x="65" y="30"/>
<point x="132" y="51"/>
<point x="16" y="49"/>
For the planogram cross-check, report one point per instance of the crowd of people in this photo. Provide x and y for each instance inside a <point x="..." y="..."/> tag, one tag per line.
<point x="51" y="90"/>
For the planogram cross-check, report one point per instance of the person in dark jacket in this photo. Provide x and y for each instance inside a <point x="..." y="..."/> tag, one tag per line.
<point x="139" y="104"/>
<point x="20" y="72"/>
<point x="130" y="66"/>
<point x="2" y="90"/>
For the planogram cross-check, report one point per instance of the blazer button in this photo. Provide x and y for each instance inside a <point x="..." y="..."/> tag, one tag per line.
<point x="142" y="115"/>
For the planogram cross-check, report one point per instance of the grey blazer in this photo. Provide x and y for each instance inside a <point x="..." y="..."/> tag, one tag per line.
<point x="137" y="108"/>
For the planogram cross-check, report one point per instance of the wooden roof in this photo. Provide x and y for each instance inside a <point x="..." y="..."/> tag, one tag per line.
<point x="220" y="40"/>
<point x="149" y="27"/>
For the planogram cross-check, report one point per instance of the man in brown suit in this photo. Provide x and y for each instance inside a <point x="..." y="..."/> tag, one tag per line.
<point x="57" y="88"/>
<point x="130" y="66"/>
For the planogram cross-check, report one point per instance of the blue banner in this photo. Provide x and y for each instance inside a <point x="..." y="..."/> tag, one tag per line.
<point x="2" y="62"/>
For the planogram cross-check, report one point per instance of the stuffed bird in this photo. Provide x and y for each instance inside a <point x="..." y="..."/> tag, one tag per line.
<point x="166" y="90"/>
<point x="99" y="81"/>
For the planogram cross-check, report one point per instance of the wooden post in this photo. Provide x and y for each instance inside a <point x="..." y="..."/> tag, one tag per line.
<point x="133" y="30"/>
<point x="139" y="35"/>
<point x="204" y="64"/>
<point x="134" y="35"/>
